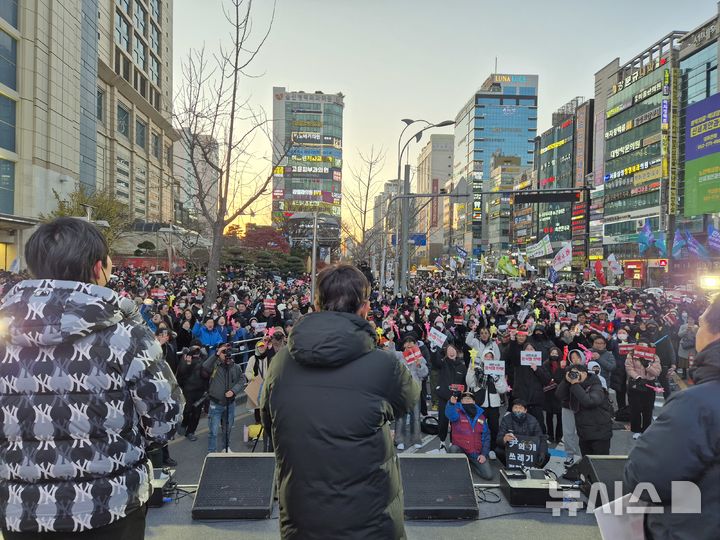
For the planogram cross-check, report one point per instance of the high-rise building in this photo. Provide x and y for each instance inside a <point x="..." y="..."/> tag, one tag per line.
<point x="563" y="157"/>
<point x="641" y="154"/>
<point x="309" y="178"/>
<point x="435" y="167"/>
<point x="505" y="172"/>
<point x="522" y="227"/>
<point x="500" y="117"/>
<point x="195" y="179"/>
<point x="133" y="104"/>
<point x="85" y="100"/>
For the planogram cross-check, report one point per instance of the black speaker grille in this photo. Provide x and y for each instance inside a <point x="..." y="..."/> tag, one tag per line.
<point x="235" y="487"/>
<point x="438" y="488"/>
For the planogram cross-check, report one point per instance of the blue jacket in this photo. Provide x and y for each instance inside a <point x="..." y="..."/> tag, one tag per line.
<point x="209" y="338"/>
<point x="470" y="434"/>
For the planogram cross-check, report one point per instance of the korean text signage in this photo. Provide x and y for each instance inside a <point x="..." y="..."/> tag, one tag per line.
<point x="702" y="167"/>
<point x="522" y="452"/>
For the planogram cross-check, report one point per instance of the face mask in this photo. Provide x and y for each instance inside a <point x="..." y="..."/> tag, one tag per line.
<point x="253" y="324"/>
<point x="492" y="321"/>
<point x="519" y="416"/>
<point x="554" y="357"/>
<point x="181" y="305"/>
<point x="439" y="325"/>
<point x="596" y="372"/>
<point x="470" y="409"/>
<point x="622" y="337"/>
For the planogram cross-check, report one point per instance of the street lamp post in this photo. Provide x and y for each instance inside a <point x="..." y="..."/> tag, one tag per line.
<point x="401" y="270"/>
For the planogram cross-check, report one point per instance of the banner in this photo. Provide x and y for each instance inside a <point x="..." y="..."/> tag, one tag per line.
<point x="644" y="353"/>
<point x="522" y="452"/>
<point x="695" y="247"/>
<point x="531" y="358"/>
<point x="543" y="247"/>
<point x="553" y="275"/>
<point x="600" y="273"/>
<point x="563" y="257"/>
<point x="269" y="304"/>
<point x="505" y="266"/>
<point x="615" y="266"/>
<point x="625" y="349"/>
<point x="412" y="355"/>
<point x="645" y="237"/>
<point x="702" y="146"/>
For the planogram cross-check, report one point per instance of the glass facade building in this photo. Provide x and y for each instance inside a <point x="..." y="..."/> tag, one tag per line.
<point x="500" y="119"/>
<point x="309" y="178"/>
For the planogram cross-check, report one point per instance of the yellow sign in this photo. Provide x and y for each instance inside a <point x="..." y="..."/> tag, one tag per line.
<point x="553" y="146"/>
<point x="647" y="175"/>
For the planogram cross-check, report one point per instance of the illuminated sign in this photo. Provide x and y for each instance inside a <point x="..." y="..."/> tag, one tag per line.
<point x="647" y="188"/>
<point x="666" y="82"/>
<point x="646" y="117"/>
<point x="546" y="181"/>
<point x="617" y="109"/>
<point x="636" y="76"/>
<point x="647" y="175"/>
<point x="509" y="78"/>
<point x="307" y="123"/>
<point x="309" y="169"/>
<point x="553" y="146"/>
<point x="566" y="123"/>
<point x="632" y="169"/>
<point x="665" y="114"/>
<point x="650" y="91"/>
<point x="617" y="130"/>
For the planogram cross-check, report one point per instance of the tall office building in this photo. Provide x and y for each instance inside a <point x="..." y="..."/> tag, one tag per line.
<point x="505" y="173"/>
<point x="435" y="167"/>
<point x="641" y="159"/>
<point x="499" y="118"/>
<point x="309" y="178"/>
<point x="85" y="99"/>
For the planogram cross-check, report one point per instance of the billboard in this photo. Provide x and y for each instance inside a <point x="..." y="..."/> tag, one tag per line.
<point x="702" y="157"/>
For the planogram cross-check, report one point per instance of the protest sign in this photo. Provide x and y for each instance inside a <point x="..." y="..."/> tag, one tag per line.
<point x="626" y="348"/>
<point x="644" y="353"/>
<point x="530" y="358"/>
<point x="412" y="355"/>
<point x="494" y="367"/>
<point x="436" y="337"/>
<point x="522" y="452"/>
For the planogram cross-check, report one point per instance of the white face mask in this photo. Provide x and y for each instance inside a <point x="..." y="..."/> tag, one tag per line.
<point x="622" y="337"/>
<point x="253" y="324"/>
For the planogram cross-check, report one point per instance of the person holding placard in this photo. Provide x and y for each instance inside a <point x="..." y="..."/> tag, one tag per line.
<point x="407" y="427"/>
<point x="642" y="372"/>
<point x="487" y="383"/>
<point x="530" y="381"/>
<point x="518" y="423"/>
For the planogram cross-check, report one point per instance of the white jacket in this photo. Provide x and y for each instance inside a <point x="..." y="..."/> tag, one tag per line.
<point x="491" y="400"/>
<point x="472" y="341"/>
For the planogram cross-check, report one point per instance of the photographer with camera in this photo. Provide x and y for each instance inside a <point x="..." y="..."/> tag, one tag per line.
<point x="193" y="384"/>
<point x="226" y="383"/>
<point x="588" y="400"/>
<point x="470" y="433"/>
<point x="642" y="375"/>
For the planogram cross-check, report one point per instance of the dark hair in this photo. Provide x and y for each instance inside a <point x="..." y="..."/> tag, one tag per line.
<point x="410" y="339"/>
<point x="66" y="249"/>
<point x="711" y="317"/>
<point x="342" y="288"/>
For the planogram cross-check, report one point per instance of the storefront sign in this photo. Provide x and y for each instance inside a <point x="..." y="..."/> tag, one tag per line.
<point x="637" y="75"/>
<point x="553" y="146"/>
<point x="702" y="152"/>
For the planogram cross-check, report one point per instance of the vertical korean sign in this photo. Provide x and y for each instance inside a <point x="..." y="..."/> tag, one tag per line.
<point x="702" y="157"/>
<point x="434" y="204"/>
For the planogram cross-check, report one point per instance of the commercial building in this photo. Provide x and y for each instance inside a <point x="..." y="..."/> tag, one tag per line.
<point x="435" y="166"/>
<point x="309" y="178"/>
<point x="563" y="159"/>
<point x="523" y="224"/>
<point x="499" y="118"/>
<point x="504" y="175"/>
<point x="85" y="100"/>
<point x="641" y="153"/>
<point x="699" y="204"/>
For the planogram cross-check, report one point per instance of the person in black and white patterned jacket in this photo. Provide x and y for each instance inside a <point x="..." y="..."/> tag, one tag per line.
<point x="84" y="391"/>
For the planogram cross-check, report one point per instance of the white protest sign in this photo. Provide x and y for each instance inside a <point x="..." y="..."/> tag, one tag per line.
<point x="563" y="257"/>
<point x="436" y="337"/>
<point x="494" y="367"/>
<point x="530" y="358"/>
<point x="260" y="326"/>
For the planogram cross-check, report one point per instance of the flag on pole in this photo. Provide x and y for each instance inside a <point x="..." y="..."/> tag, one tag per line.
<point x="645" y="237"/>
<point x="679" y="242"/>
<point x="615" y="266"/>
<point x="563" y="257"/>
<point x="695" y="247"/>
<point x="713" y="238"/>
<point x="661" y="244"/>
<point x="600" y="273"/>
<point x="552" y="275"/>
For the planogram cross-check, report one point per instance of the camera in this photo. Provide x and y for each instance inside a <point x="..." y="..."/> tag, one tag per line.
<point x="457" y="390"/>
<point x="573" y="375"/>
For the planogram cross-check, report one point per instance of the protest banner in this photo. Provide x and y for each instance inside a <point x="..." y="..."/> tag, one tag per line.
<point x="530" y="358"/>
<point x="436" y="337"/>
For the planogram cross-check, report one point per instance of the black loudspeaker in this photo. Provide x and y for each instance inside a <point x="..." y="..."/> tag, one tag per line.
<point x="438" y="486"/>
<point x="235" y="486"/>
<point x="604" y="469"/>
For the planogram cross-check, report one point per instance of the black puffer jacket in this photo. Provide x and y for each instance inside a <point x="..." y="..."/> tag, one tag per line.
<point x="589" y="402"/>
<point x="449" y="372"/>
<point x="683" y="444"/>
<point x="329" y="398"/>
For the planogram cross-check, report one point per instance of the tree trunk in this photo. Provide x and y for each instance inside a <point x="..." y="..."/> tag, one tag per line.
<point x="211" y="291"/>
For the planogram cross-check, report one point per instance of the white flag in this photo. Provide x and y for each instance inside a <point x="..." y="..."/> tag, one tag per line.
<point x="563" y="257"/>
<point x="615" y="266"/>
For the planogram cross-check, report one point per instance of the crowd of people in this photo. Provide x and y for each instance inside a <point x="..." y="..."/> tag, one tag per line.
<point x="600" y="355"/>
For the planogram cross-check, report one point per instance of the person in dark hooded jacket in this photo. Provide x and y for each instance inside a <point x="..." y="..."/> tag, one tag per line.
<point x="328" y="399"/>
<point x="683" y="445"/>
<point x="593" y="414"/>
<point x="529" y="384"/>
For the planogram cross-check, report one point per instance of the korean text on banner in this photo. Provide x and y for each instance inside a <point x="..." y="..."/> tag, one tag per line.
<point x="531" y="358"/>
<point x="494" y="367"/>
<point x="436" y="337"/>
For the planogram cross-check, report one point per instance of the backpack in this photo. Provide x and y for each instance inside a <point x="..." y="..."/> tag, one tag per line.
<point x="688" y="341"/>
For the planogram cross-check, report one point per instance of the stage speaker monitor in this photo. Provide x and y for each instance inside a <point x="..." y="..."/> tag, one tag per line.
<point x="235" y="486"/>
<point x="604" y="469"/>
<point x="438" y="486"/>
